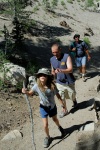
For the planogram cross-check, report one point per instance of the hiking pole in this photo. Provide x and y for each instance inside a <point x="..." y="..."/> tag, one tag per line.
<point x="31" y="116"/>
<point x="20" y="76"/>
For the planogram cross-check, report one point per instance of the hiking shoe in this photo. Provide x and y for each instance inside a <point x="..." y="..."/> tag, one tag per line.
<point x="46" y="142"/>
<point x="63" y="114"/>
<point x="74" y="104"/>
<point x="79" y="76"/>
<point x="63" y="133"/>
<point x="84" y="79"/>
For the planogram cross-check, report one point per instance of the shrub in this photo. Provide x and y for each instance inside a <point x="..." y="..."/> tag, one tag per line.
<point x="70" y="1"/>
<point x="78" y="0"/>
<point x="87" y="41"/>
<point x="36" y="8"/>
<point x="89" y="3"/>
<point x="63" y="3"/>
<point x="54" y="3"/>
<point x="2" y="61"/>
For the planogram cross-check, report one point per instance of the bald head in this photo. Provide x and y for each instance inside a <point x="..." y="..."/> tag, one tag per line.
<point x="56" y="50"/>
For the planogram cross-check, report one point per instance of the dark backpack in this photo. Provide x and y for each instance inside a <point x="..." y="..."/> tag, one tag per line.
<point x="75" y="53"/>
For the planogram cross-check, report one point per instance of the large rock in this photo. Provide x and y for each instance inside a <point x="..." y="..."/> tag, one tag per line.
<point x="12" y="135"/>
<point x="88" y="127"/>
<point x="98" y="87"/>
<point x="12" y="73"/>
<point x="89" y="139"/>
<point x="32" y="81"/>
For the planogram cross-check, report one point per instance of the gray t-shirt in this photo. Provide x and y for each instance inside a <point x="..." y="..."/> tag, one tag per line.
<point x="47" y="97"/>
<point x="81" y="46"/>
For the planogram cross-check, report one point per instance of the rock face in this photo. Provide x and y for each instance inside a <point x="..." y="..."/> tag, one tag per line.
<point x="98" y="87"/>
<point x="89" y="140"/>
<point x="12" y="73"/>
<point x="89" y="136"/>
<point x="32" y="81"/>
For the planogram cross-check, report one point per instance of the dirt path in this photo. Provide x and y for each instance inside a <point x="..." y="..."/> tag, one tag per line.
<point x="13" y="108"/>
<point x="71" y="123"/>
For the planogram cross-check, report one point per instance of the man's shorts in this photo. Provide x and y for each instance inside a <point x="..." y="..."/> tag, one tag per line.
<point x="80" y="61"/>
<point x="67" y="91"/>
<point x="47" y="111"/>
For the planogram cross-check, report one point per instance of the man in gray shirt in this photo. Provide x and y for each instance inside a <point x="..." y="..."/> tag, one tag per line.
<point x="80" y="49"/>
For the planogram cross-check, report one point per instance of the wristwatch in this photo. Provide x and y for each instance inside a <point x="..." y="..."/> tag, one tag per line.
<point x="62" y="106"/>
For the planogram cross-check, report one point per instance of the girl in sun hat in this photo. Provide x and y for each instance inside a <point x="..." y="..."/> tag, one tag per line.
<point x="46" y="90"/>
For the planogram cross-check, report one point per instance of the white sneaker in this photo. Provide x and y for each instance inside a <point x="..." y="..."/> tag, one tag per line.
<point x="79" y="76"/>
<point x="63" y="114"/>
<point x="46" y="142"/>
<point x="84" y="79"/>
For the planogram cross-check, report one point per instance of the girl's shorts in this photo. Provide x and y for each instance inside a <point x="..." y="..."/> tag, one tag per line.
<point x="47" y="111"/>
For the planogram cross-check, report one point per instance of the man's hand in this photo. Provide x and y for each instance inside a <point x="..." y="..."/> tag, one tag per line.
<point x="64" y="110"/>
<point x="58" y="70"/>
<point x="89" y="58"/>
<point x="74" y="49"/>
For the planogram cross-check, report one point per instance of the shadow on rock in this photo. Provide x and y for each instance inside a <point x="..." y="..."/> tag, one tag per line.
<point x="68" y="132"/>
<point x="92" y="74"/>
<point x="60" y="138"/>
<point x="82" y="105"/>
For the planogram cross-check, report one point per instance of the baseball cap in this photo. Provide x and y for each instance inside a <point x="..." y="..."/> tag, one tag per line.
<point x="76" y="35"/>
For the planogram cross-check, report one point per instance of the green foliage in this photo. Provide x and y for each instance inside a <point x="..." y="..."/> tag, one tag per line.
<point x="21" y="23"/>
<point x="19" y="86"/>
<point x="32" y="67"/>
<point x="87" y="41"/>
<point x="57" y="40"/>
<point x="8" y="43"/>
<point x="63" y="3"/>
<point x="54" y="3"/>
<point x="3" y="60"/>
<point x="46" y="3"/>
<point x="70" y="1"/>
<point x="89" y="3"/>
<point x="35" y="9"/>
<point x="9" y="6"/>
<point x="1" y="84"/>
<point x="1" y="32"/>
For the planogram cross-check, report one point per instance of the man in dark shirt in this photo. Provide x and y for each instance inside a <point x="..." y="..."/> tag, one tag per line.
<point x="80" y="50"/>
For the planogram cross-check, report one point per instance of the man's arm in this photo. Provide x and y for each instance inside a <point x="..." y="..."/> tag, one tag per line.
<point x="88" y="54"/>
<point x="87" y="51"/>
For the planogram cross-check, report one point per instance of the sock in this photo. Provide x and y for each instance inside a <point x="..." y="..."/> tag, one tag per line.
<point x="83" y="75"/>
<point x="61" y="129"/>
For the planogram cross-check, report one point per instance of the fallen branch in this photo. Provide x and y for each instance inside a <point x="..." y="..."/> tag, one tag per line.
<point x="4" y="18"/>
<point x="31" y="117"/>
